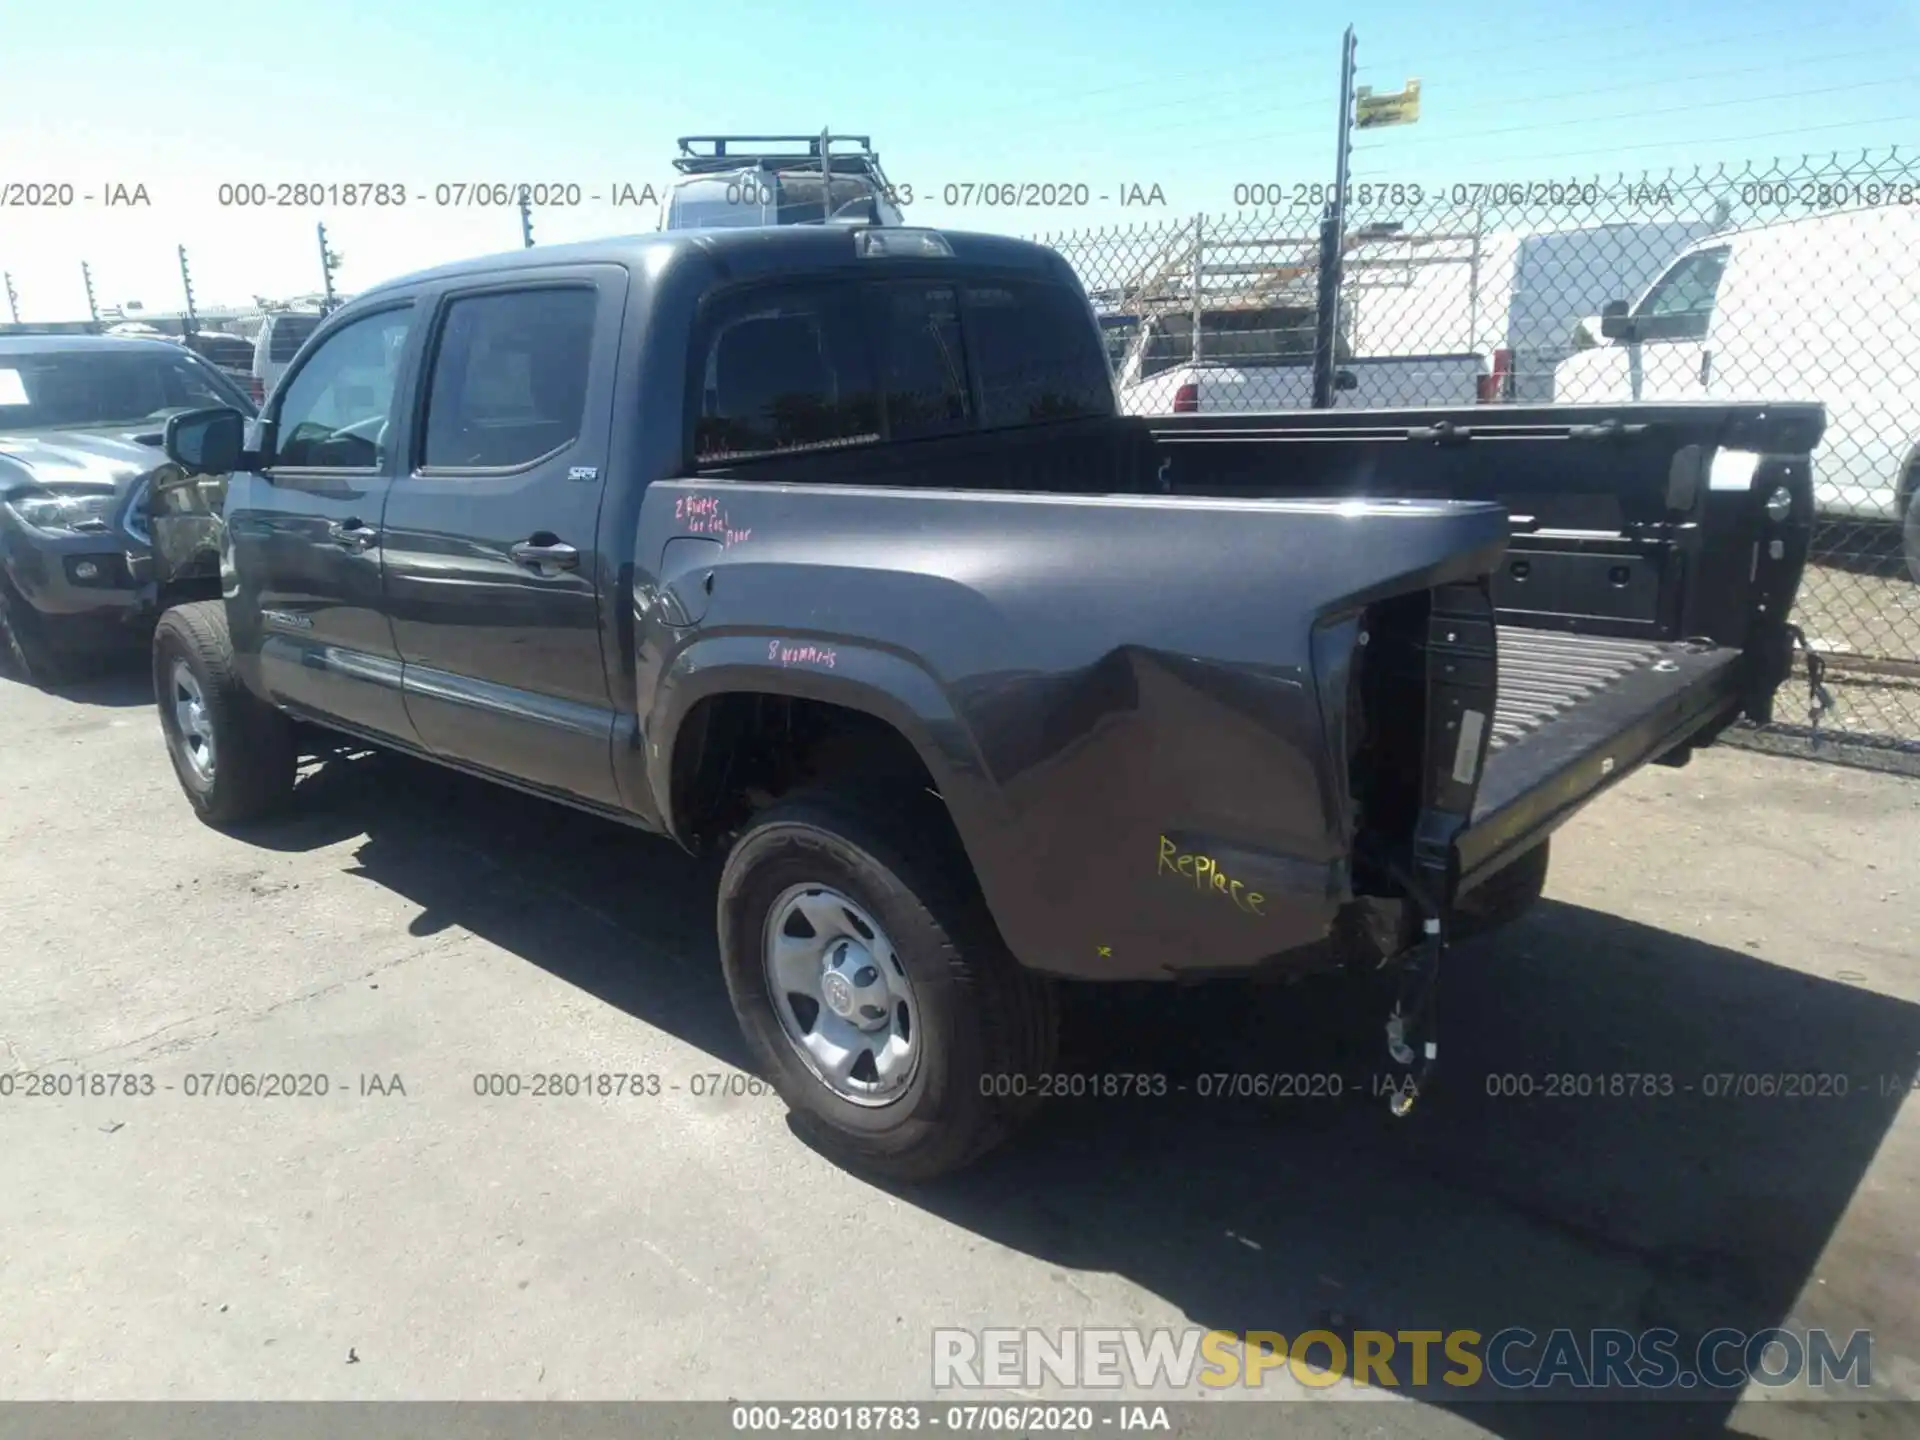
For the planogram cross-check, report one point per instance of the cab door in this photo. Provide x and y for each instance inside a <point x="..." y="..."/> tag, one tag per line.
<point x="305" y="529"/>
<point x="495" y="566"/>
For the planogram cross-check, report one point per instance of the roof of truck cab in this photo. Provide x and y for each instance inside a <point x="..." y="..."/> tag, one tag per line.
<point x="744" y="251"/>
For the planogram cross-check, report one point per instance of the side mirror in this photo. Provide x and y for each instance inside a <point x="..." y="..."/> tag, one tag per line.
<point x="206" y="442"/>
<point x="1345" y="380"/>
<point x="1614" y="322"/>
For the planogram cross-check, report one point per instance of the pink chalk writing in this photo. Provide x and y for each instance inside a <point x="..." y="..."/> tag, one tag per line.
<point x="689" y="507"/>
<point x="703" y="515"/>
<point x="800" y="654"/>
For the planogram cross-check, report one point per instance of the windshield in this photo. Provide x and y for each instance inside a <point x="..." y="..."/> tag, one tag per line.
<point x="85" y="389"/>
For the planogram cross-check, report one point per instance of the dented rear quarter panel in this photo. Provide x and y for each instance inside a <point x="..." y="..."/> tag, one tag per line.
<point x="1120" y="698"/>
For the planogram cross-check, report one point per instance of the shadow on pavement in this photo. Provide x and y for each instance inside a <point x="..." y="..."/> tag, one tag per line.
<point x="113" y="680"/>
<point x="1682" y="1208"/>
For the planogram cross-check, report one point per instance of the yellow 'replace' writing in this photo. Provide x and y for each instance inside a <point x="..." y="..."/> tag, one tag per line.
<point x="1207" y="877"/>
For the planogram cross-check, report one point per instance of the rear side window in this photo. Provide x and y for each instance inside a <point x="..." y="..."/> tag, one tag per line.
<point x="786" y="370"/>
<point x="1035" y="355"/>
<point x="288" y="334"/>
<point x="509" y="378"/>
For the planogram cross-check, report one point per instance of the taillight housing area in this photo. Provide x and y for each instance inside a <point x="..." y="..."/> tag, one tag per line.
<point x="1186" y="400"/>
<point x="257" y="390"/>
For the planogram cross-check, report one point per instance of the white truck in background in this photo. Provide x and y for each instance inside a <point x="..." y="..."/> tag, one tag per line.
<point x="1228" y="324"/>
<point x="1261" y="358"/>
<point x="1430" y="318"/>
<point x="1826" y="308"/>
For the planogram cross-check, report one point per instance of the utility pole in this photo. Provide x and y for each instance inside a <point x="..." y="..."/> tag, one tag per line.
<point x="1333" y="224"/>
<point x="526" y="218"/>
<point x="186" y="284"/>
<point x="93" y="307"/>
<point x="327" y="261"/>
<point x="13" y="298"/>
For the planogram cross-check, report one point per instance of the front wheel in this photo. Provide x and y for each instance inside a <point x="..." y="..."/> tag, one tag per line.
<point x="233" y="753"/>
<point x="873" y="989"/>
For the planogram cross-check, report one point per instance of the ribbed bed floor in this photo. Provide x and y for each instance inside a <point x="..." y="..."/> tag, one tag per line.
<point x="1545" y="673"/>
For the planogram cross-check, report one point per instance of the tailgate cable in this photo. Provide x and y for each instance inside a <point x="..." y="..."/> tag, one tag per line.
<point x="1414" y="1016"/>
<point x="1819" y="698"/>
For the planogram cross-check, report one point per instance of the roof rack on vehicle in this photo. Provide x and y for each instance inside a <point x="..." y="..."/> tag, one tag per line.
<point x="709" y="154"/>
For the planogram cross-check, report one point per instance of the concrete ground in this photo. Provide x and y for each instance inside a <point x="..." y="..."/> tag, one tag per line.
<point x="407" y="929"/>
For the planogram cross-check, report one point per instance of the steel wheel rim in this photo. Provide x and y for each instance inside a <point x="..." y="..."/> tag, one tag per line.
<point x="191" y="720"/>
<point x="842" y="995"/>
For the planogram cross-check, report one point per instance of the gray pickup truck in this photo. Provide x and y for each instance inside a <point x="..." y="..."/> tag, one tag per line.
<point x="827" y="547"/>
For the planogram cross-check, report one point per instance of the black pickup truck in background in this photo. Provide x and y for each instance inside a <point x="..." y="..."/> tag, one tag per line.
<point x="825" y="546"/>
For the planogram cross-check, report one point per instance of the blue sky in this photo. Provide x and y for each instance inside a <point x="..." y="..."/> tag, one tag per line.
<point x="1192" y="98"/>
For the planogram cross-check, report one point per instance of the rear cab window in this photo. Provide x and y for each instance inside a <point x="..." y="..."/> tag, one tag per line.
<point x="803" y="366"/>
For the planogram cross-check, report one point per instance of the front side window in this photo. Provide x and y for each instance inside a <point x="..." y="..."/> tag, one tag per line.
<point x="509" y="378"/>
<point x="786" y="370"/>
<point x="333" y="414"/>
<point x="1680" y="304"/>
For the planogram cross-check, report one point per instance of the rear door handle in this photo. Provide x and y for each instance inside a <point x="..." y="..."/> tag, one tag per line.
<point x="543" y="553"/>
<point x="353" y="535"/>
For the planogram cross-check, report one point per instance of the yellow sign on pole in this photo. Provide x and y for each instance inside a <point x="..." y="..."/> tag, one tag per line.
<point x="1371" y="111"/>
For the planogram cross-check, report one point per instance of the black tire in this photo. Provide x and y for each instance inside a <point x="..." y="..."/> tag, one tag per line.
<point x="254" y="755"/>
<point x="981" y="1016"/>
<point x="25" y="646"/>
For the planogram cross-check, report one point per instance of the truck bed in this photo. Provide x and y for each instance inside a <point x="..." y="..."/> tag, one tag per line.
<point x="1639" y="608"/>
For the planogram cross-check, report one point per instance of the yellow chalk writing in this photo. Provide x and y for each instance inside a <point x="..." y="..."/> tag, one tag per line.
<point x="1207" y="877"/>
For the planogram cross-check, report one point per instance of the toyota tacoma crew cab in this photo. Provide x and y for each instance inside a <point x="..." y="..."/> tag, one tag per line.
<point x="827" y="547"/>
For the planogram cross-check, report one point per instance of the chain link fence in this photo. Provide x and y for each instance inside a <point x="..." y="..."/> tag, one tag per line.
<point x="1797" y="280"/>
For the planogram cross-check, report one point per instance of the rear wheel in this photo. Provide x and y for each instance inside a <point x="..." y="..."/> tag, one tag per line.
<point x="234" y="754"/>
<point x="25" y="645"/>
<point x="873" y="989"/>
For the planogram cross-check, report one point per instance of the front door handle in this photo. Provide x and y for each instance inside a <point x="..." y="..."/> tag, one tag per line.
<point x="544" y="553"/>
<point x="353" y="535"/>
